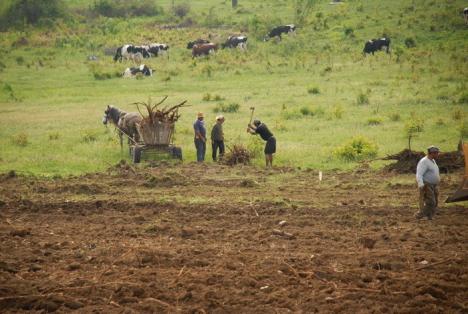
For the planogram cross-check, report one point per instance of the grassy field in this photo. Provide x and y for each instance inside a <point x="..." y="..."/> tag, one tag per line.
<point x="315" y="90"/>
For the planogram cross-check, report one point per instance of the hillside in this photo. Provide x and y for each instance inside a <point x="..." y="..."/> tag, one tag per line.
<point x="315" y="90"/>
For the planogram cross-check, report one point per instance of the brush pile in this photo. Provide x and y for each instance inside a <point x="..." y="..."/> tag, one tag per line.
<point x="157" y="127"/>
<point x="237" y="154"/>
<point x="407" y="160"/>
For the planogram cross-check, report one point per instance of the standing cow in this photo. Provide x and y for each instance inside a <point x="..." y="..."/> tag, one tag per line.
<point x="157" y="49"/>
<point x="374" y="45"/>
<point x="465" y="15"/>
<point x="235" y="41"/>
<point x="203" y="49"/>
<point x="198" y="41"/>
<point x="283" y="29"/>
<point x="131" y="52"/>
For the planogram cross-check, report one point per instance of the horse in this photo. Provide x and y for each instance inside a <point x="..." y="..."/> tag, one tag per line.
<point x="125" y="122"/>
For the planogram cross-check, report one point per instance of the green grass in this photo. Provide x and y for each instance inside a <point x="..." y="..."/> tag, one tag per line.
<point x="53" y="89"/>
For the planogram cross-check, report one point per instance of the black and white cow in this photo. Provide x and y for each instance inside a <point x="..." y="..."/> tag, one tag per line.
<point x="465" y="15"/>
<point x="143" y="69"/>
<point x="235" y="41"/>
<point x="283" y="29"/>
<point x="199" y="41"/>
<point x="131" y="52"/>
<point x="374" y="45"/>
<point x="157" y="49"/>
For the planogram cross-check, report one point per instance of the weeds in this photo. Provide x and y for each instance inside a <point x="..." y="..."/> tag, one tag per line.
<point x="89" y="136"/>
<point x="20" y="139"/>
<point x="395" y="116"/>
<point x="313" y="90"/>
<point x="362" y="99"/>
<point x="458" y="114"/>
<point x="374" y="121"/>
<point x="53" y="136"/>
<point x="221" y="107"/>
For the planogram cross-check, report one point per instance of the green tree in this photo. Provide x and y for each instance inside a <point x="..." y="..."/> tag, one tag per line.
<point x="18" y="12"/>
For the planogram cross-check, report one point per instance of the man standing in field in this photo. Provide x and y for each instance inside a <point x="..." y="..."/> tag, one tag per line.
<point x="427" y="176"/>
<point x="200" y="137"/>
<point x="270" y="146"/>
<point x="217" y="137"/>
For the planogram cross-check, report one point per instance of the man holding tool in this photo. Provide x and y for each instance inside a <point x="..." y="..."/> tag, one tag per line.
<point x="260" y="128"/>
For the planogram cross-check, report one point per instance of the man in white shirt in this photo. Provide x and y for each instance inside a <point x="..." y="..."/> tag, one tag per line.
<point x="427" y="176"/>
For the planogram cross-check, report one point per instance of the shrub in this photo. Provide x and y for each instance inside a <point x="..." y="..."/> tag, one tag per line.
<point x="207" y="97"/>
<point x="54" y="136"/>
<point x="362" y="99"/>
<point x="89" y="136"/>
<point x="349" y="31"/>
<point x="306" y="111"/>
<point x="218" y="98"/>
<point x="440" y="122"/>
<point x="18" y="12"/>
<point x="374" y="121"/>
<point x="20" y="60"/>
<point x="413" y="127"/>
<point x="410" y="43"/>
<point x="458" y="114"/>
<point x="20" y="139"/>
<point x="463" y="99"/>
<point x="125" y="8"/>
<point x="337" y="112"/>
<point x="232" y="107"/>
<point x="464" y="130"/>
<point x="358" y="148"/>
<point x="313" y="90"/>
<point x="181" y="10"/>
<point x="395" y="116"/>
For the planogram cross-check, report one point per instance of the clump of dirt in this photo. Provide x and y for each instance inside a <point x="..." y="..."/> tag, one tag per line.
<point x="407" y="160"/>
<point x="122" y="168"/>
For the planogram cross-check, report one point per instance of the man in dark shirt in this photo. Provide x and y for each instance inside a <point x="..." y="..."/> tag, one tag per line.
<point x="270" y="146"/>
<point x="217" y="138"/>
<point x="200" y="137"/>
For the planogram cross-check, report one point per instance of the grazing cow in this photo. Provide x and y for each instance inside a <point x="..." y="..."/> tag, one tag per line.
<point x="123" y="121"/>
<point x="235" y="41"/>
<point x="465" y="15"/>
<point x="374" y="45"/>
<point x="143" y="69"/>
<point x="157" y="49"/>
<point x="277" y="31"/>
<point x="199" y="41"/>
<point x="131" y="52"/>
<point x="203" y="49"/>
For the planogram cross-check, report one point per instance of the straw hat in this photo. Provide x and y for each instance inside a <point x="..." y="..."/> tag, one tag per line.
<point x="200" y="115"/>
<point x="220" y="117"/>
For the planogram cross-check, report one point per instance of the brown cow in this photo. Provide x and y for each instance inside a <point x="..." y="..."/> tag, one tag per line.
<point x="203" y="49"/>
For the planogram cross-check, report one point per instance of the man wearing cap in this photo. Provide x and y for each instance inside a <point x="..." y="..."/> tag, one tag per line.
<point x="270" y="147"/>
<point x="200" y="137"/>
<point x="427" y="176"/>
<point x="217" y="137"/>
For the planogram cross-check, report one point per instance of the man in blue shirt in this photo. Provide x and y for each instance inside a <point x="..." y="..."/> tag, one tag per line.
<point x="200" y="137"/>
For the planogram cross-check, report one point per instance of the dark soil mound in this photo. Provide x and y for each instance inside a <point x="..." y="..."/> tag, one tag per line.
<point x="407" y="160"/>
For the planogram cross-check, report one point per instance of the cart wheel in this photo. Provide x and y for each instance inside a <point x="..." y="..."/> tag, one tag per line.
<point x="177" y="152"/>
<point x="136" y="156"/>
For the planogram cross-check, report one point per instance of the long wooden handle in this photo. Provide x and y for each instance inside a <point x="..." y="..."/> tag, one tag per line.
<point x="251" y="115"/>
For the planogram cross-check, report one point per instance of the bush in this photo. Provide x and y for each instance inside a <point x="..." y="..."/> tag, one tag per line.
<point x="89" y="136"/>
<point x="349" y="31"/>
<point x="31" y="11"/>
<point x="374" y="121"/>
<point x="458" y="114"/>
<point x="232" y="107"/>
<point x="358" y="148"/>
<point x="20" y="139"/>
<point x="362" y="99"/>
<point x="181" y="10"/>
<point x="337" y="112"/>
<point x="410" y="43"/>
<point x="125" y="8"/>
<point x="313" y="90"/>
<point x="207" y="97"/>
<point x="54" y="136"/>
<point x="395" y="117"/>
<point x="463" y="99"/>
<point x="310" y="111"/>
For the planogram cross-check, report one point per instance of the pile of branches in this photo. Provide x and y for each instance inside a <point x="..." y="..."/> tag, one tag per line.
<point x="165" y="114"/>
<point x="407" y="160"/>
<point x="237" y="154"/>
<point x="157" y="127"/>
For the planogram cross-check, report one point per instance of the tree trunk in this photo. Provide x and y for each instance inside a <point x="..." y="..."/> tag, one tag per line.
<point x="234" y="4"/>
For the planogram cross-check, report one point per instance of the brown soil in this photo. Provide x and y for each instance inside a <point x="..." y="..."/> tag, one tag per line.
<point x="215" y="239"/>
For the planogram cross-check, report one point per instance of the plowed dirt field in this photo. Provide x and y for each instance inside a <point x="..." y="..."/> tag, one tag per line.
<point x="213" y="239"/>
